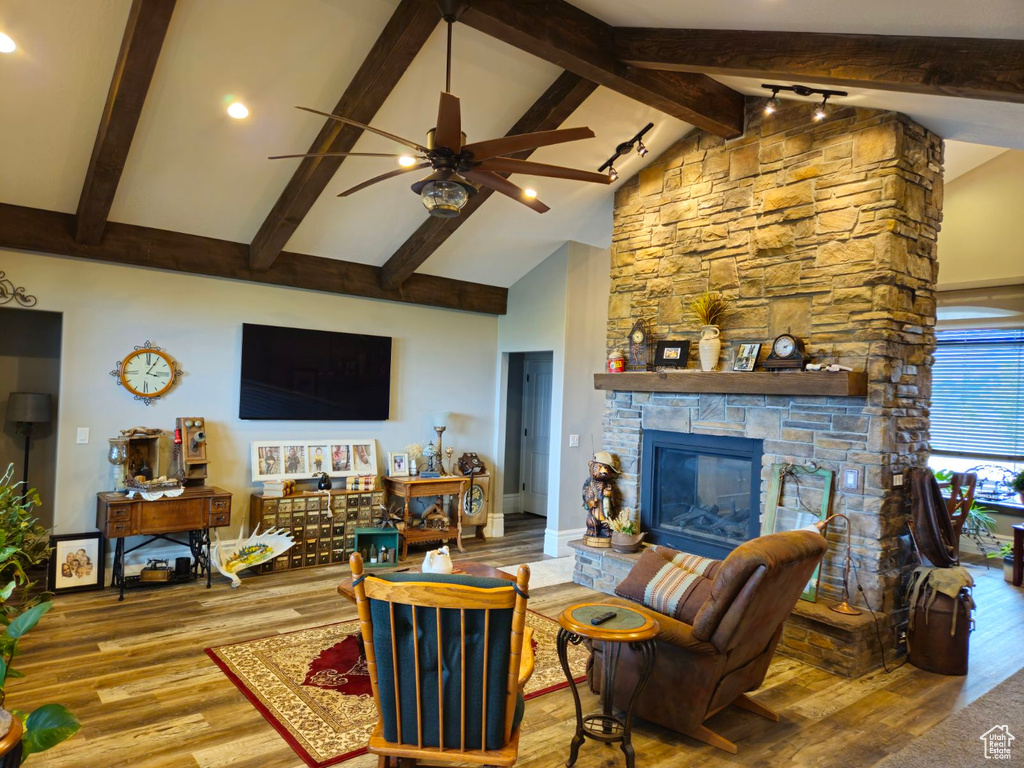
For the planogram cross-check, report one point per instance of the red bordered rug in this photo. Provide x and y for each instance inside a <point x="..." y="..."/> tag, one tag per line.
<point x="312" y="685"/>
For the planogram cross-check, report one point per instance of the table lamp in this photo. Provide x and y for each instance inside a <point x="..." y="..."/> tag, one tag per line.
<point x="439" y="423"/>
<point x="27" y="409"/>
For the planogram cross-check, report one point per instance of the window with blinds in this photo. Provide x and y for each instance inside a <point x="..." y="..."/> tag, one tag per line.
<point x="978" y="394"/>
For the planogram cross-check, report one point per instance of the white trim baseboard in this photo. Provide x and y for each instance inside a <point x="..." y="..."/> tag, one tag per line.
<point x="510" y="503"/>
<point x="556" y="543"/>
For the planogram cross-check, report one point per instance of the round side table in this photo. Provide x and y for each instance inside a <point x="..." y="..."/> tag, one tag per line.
<point x="628" y="626"/>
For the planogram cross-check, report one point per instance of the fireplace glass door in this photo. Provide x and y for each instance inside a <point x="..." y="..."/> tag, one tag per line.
<point x="700" y="493"/>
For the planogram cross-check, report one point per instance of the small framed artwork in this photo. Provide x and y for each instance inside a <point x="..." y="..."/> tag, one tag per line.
<point x="746" y="356"/>
<point x="76" y="564"/>
<point x="398" y="464"/>
<point x="299" y="459"/>
<point x="671" y="353"/>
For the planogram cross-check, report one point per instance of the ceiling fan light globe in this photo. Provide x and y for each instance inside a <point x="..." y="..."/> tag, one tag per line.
<point x="444" y="199"/>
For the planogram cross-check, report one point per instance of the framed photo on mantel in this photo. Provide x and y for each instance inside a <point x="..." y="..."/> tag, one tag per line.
<point x="671" y="353"/>
<point x="301" y="459"/>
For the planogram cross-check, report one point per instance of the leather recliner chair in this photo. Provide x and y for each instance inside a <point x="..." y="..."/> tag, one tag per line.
<point x="702" y="668"/>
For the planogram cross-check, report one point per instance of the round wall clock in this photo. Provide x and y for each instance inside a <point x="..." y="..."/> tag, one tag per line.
<point x="147" y="372"/>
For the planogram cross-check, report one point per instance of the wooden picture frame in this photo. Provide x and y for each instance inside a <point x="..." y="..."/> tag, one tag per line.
<point x="398" y="464"/>
<point x="76" y="562"/>
<point x="672" y="353"/>
<point x="302" y="459"/>
<point x="778" y="518"/>
<point x="746" y="356"/>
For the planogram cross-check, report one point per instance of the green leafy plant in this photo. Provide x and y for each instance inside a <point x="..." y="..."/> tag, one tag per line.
<point x="709" y="308"/>
<point x="1004" y="551"/>
<point x="24" y="543"/>
<point x="1018" y="482"/>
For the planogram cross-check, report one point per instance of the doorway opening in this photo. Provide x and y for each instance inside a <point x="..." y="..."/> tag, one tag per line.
<point x="30" y="364"/>
<point x="528" y="436"/>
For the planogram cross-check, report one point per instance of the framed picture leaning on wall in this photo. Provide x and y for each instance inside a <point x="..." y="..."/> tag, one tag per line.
<point x="76" y="564"/>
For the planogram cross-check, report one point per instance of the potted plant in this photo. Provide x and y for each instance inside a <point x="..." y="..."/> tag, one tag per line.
<point x="23" y="544"/>
<point x="1018" y="485"/>
<point x="709" y="308"/>
<point x="1005" y="552"/>
<point x="626" y="535"/>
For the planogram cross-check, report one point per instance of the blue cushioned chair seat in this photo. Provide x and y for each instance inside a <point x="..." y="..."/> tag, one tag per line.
<point x="452" y="647"/>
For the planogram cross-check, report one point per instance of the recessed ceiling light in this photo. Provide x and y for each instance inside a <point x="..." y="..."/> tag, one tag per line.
<point x="407" y="161"/>
<point x="238" y="110"/>
<point x="530" y="192"/>
<point x="6" y="44"/>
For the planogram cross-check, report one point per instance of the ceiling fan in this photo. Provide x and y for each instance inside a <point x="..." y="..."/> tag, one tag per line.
<point x="460" y="169"/>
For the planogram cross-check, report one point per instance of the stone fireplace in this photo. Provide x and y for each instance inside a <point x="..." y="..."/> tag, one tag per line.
<point x="826" y="231"/>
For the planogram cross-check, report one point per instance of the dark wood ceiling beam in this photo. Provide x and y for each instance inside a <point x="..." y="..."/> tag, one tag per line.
<point x="560" y="33"/>
<point x="140" y="48"/>
<point x="974" y="68"/>
<point x="552" y="109"/>
<point x="403" y="37"/>
<point x="32" y="229"/>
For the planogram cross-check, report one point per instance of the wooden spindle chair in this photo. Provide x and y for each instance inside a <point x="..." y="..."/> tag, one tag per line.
<point x="961" y="497"/>
<point x="448" y="657"/>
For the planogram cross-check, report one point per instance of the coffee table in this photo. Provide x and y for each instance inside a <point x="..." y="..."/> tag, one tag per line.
<point x="628" y="626"/>
<point x="461" y="568"/>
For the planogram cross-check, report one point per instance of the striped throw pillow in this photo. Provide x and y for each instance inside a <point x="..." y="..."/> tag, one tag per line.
<point x="669" y="588"/>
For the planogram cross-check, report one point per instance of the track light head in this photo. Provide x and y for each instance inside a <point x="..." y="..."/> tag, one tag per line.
<point x="612" y="173"/>
<point x="771" y="105"/>
<point x="641" y="149"/>
<point x="820" y="112"/>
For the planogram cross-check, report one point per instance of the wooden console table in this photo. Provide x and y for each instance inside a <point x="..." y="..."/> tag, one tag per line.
<point x="409" y="488"/>
<point x="194" y="512"/>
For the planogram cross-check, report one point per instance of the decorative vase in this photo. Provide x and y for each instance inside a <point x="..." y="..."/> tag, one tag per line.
<point x="1008" y="568"/>
<point x="117" y="455"/>
<point x="710" y="347"/>
<point x="10" y="743"/>
<point x="627" y="543"/>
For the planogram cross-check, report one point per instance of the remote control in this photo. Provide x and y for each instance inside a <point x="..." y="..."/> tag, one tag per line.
<point x="603" y="617"/>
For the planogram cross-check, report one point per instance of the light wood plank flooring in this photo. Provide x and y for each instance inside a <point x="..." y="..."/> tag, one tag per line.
<point x="136" y="675"/>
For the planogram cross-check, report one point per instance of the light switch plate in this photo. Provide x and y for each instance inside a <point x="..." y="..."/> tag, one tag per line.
<point x="574" y="441"/>
<point x="851" y="479"/>
<point x="83" y="436"/>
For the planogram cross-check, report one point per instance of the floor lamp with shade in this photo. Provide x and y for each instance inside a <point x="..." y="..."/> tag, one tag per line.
<point x="26" y="409"/>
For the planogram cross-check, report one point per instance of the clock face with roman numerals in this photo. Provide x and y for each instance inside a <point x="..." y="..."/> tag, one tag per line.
<point x="147" y="373"/>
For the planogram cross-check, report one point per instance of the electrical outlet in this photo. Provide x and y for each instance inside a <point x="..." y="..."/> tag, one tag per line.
<point x="83" y="436"/>
<point x="574" y="441"/>
<point x="901" y="641"/>
<point x="851" y="479"/>
<point x="897" y="479"/>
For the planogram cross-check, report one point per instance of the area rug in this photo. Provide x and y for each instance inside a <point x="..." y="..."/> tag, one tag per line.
<point x="313" y="686"/>
<point x="990" y="729"/>
<point x="547" y="573"/>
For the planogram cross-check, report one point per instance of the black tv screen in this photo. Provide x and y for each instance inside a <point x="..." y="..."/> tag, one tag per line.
<point x="302" y="375"/>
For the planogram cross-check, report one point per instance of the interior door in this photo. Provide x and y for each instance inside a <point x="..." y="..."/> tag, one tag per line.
<point x="536" y="443"/>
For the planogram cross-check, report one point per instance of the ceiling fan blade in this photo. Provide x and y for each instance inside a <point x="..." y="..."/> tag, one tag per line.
<point x="507" y="145"/>
<point x="506" y="187"/>
<point x="512" y="165"/>
<point x="449" y="123"/>
<point x="334" y="154"/>
<point x="385" y="134"/>
<point x="382" y="177"/>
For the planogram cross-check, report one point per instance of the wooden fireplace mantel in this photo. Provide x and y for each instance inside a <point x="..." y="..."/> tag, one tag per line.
<point x="843" y="384"/>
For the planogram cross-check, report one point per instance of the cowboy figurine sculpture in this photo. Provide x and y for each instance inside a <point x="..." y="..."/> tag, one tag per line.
<point x="599" y="499"/>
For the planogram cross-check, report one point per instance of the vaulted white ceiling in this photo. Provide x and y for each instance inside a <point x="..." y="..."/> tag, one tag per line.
<point x="193" y="169"/>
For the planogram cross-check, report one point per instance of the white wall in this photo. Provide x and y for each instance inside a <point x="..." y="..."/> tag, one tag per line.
<point x="981" y="235"/>
<point x="561" y="306"/>
<point x="442" y="360"/>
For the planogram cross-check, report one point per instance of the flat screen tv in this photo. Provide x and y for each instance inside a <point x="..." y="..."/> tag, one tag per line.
<point x="297" y="374"/>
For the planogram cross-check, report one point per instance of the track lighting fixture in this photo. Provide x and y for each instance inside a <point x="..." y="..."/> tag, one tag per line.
<point x="637" y="142"/>
<point x="820" y="112"/>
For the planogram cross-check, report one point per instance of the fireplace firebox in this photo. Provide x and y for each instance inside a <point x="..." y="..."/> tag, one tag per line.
<point x="700" y="493"/>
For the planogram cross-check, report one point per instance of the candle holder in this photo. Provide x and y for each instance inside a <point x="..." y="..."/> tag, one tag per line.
<point x="117" y="455"/>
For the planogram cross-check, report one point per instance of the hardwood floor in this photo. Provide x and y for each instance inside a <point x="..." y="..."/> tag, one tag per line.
<point x="136" y="675"/>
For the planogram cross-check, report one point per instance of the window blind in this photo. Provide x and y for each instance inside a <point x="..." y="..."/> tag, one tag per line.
<point x="978" y="393"/>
